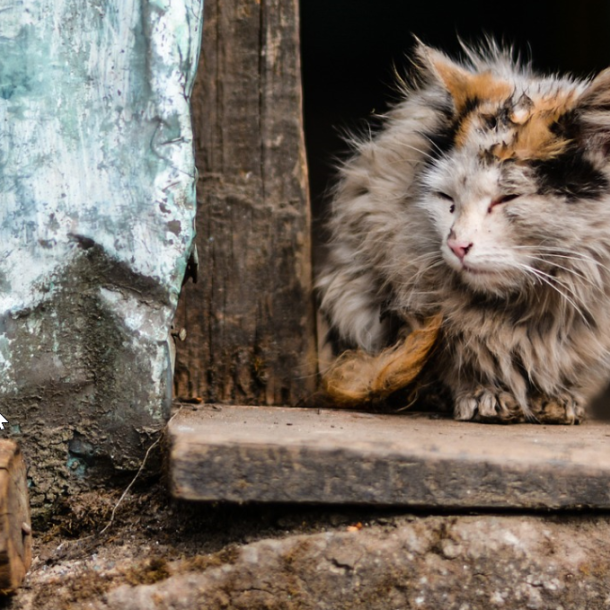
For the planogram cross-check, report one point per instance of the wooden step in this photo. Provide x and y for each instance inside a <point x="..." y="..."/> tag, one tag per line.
<point x="276" y="454"/>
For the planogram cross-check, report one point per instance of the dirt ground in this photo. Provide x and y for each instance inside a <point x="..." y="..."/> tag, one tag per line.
<point x="152" y="537"/>
<point x="362" y="551"/>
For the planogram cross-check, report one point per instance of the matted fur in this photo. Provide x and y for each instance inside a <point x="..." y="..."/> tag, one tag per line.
<point x="484" y="200"/>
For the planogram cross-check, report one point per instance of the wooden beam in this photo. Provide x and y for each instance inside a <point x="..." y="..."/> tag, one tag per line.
<point x="249" y="319"/>
<point x="15" y="524"/>
<point x="258" y="454"/>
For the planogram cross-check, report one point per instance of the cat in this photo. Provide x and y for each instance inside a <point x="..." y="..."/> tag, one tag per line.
<point x="484" y="198"/>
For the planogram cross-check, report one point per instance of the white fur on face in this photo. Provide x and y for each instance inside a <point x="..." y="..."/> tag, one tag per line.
<point x="464" y="199"/>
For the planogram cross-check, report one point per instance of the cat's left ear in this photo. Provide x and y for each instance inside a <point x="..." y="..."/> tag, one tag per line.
<point x="462" y="85"/>
<point x="593" y="111"/>
<point x="452" y="77"/>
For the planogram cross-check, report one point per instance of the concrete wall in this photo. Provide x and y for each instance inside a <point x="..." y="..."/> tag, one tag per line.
<point x="97" y="188"/>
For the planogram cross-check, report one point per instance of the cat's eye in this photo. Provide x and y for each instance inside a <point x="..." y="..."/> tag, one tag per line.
<point x="507" y="198"/>
<point x="442" y="195"/>
<point x="501" y="200"/>
<point x="446" y="197"/>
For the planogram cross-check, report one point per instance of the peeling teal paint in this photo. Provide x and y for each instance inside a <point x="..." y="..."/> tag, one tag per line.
<point x="76" y="467"/>
<point x="97" y="206"/>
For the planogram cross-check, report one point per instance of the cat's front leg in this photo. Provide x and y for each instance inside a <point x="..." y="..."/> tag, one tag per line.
<point x="487" y="405"/>
<point x="565" y="408"/>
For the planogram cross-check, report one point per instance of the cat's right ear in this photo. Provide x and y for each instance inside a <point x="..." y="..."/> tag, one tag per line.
<point x="436" y="67"/>
<point x="593" y="112"/>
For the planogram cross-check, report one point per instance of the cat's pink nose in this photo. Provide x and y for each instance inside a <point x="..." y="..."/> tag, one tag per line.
<point x="459" y="248"/>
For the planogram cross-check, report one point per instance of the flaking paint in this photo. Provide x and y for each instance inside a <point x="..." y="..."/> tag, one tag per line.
<point x="96" y="160"/>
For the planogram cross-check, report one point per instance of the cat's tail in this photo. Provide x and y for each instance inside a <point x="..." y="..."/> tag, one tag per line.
<point x="357" y="378"/>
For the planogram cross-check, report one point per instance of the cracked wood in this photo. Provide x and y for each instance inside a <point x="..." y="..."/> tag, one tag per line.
<point x="250" y="317"/>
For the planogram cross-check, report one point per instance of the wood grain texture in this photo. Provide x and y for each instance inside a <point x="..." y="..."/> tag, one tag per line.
<point x="257" y="454"/>
<point x="15" y="524"/>
<point x="249" y="318"/>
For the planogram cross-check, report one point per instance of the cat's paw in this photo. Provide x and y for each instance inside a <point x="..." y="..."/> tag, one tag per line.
<point x="562" y="409"/>
<point x="487" y="406"/>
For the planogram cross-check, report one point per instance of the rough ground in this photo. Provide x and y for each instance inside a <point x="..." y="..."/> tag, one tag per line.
<point x="160" y="554"/>
<point x="151" y="537"/>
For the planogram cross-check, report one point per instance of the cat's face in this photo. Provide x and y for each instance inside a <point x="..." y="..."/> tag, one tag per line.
<point x="474" y="212"/>
<point x="515" y="188"/>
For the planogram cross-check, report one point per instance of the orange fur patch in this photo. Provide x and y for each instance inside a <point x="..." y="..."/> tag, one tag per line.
<point x="464" y="86"/>
<point x="533" y="137"/>
<point x="531" y="119"/>
<point x="357" y="378"/>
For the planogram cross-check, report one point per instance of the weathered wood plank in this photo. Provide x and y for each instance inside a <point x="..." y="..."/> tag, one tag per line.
<point x="243" y="454"/>
<point x="249" y="319"/>
<point x="15" y="524"/>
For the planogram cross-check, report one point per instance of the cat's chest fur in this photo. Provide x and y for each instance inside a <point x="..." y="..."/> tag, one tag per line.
<point x="500" y="344"/>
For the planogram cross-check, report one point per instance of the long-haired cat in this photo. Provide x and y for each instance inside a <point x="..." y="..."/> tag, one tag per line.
<point x="484" y="201"/>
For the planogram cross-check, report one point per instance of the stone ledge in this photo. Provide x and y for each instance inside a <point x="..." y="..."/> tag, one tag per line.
<point x="453" y="563"/>
<point x="274" y="454"/>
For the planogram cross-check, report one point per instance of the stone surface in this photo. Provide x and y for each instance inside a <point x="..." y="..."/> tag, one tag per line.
<point x="277" y="454"/>
<point x="96" y="225"/>
<point x="453" y="563"/>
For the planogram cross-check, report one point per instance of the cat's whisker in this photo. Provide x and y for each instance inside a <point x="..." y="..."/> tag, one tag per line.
<point x="424" y="153"/>
<point x="552" y="282"/>
<point x="430" y="139"/>
<point x="553" y="279"/>
<point x="424" y="263"/>
<point x="575" y="272"/>
<point x="558" y="252"/>
<point x="583" y="266"/>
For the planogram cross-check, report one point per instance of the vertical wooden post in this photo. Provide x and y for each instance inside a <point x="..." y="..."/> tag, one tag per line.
<point x="249" y="319"/>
